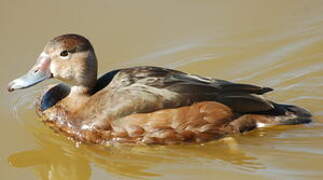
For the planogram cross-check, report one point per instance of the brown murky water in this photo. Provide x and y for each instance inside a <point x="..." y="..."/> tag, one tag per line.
<point x="272" y="43"/>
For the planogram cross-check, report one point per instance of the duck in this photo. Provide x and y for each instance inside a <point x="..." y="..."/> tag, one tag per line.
<point x="144" y="104"/>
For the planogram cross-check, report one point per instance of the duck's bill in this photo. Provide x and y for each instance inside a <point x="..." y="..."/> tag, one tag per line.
<point x="37" y="74"/>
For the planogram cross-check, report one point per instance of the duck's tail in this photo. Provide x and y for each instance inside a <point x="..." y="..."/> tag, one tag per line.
<point x="281" y="114"/>
<point x="289" y="114"/>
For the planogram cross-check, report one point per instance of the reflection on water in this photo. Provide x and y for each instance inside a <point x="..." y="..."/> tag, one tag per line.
<point x="271" y="43"/>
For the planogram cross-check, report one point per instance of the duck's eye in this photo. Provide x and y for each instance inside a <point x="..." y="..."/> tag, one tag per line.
<point x="64" y="53"/>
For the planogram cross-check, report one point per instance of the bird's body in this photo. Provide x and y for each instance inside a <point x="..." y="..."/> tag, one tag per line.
<point x="148" y="104"/>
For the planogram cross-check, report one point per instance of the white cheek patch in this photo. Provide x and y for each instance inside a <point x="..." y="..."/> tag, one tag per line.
<point x="53" y="69"/>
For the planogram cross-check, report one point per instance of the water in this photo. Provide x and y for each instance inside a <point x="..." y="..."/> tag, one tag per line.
<point x="271" y="43"/>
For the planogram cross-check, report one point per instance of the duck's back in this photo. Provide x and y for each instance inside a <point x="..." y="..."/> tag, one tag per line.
<point x="148" y="89"/>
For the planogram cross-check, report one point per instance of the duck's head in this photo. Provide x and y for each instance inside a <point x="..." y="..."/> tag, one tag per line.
<point x="69" y="58"/>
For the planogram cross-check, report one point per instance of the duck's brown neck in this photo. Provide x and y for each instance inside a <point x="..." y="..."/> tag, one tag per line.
<point x="80" y="90"/>
<point x="86" y="78"/>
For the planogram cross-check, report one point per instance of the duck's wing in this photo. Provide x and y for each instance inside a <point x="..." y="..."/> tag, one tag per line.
<point x="147" y="89"/>
<point x="240" y="97"/>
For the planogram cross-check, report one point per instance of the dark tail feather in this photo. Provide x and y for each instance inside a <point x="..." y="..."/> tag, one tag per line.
<point x="281" y="114"/>
<point x="290" y="114"/>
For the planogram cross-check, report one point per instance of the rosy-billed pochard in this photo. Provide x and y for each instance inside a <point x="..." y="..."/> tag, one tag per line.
<point x="144" y="104"/>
